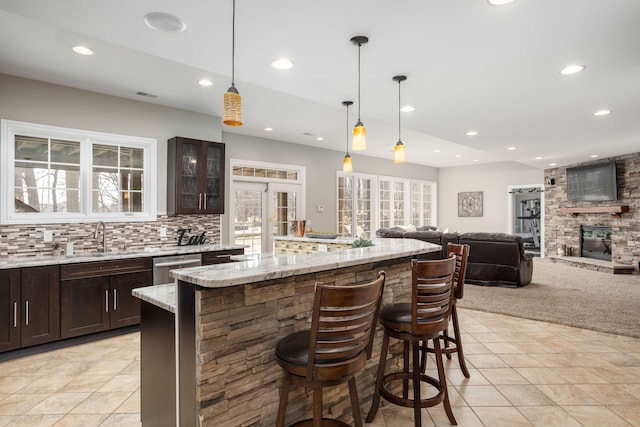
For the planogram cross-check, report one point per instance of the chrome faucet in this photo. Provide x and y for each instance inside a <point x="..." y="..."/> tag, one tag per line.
<point x="104" y="232"/>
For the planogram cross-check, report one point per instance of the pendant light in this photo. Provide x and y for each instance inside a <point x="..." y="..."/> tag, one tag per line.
<point x="359" y="132"/>
<point x="399" y="155"/>
<point x="232" y="115"/>
<point x="347" y="163"/>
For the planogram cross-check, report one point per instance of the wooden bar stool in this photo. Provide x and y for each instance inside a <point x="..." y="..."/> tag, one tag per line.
<point x="424" y="319"/>
<point x="462" y="254"/>
<point x="336" y="347"/>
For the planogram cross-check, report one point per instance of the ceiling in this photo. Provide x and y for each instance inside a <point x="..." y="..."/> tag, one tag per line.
<point x="469" y="66"/>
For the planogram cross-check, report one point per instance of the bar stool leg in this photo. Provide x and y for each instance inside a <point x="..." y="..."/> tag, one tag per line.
<point x="355" y="404"/>
<point x="405" y="383"/>
<point x="456" y="331"/>
<point x="443" y="381"/>
<point x="417" y="416"/>
<point x="375" y="403"/>
<point x="284" y="395"/>
<point x="317" y="407"/>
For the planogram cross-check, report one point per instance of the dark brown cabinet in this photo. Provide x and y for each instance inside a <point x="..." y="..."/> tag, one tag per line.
<point x="96" y="296"/>
<point x="195" y="176"/>
<point x="10" y="304"/>
<point x="219" y="257"/>
<point x="30" y="306"/>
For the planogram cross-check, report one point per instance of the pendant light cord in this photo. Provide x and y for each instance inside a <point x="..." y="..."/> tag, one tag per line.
<point x="233" y="44"/>
<point x="399" y="113"/>
<point x="347" y="129"/>
<point x="359" y="46"/>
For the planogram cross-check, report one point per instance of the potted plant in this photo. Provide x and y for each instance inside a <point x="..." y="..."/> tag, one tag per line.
<point x="57" y="248"/>
<point x="361" y="243"/>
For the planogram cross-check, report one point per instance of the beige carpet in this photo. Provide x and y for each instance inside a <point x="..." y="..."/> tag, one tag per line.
<point x="566" y="295"/>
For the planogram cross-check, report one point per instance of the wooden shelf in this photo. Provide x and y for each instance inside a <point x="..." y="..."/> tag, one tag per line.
<point x="615" y="211"/>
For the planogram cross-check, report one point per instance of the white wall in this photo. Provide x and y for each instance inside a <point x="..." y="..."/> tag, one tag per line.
<point x="493" y="180"/>
<point x="37" y="102"/>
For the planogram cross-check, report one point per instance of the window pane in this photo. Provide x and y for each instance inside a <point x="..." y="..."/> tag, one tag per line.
<point x="131" y="157"/>
<point x="31" y="148"/>
<point x="65" y="152"/>
<point x="105" y="155"/>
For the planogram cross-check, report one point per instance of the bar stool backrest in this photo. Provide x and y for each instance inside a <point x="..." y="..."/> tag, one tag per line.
<point x="432" y="294"/>
<point x="462" y="254"/>
<point x="342" y="328"/>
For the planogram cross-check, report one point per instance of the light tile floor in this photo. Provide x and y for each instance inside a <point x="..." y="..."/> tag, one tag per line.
<point x="523" y="373"/>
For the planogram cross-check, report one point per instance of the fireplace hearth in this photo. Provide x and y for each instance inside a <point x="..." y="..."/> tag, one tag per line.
<point x="595" y="242"/>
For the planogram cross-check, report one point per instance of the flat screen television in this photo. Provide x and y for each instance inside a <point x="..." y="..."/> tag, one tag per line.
<point x="592" y="182"/>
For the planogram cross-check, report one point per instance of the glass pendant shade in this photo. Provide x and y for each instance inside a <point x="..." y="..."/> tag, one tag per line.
<point x="359" y="137"/>
<point x="347" y="164"/>
<point x="399" y="155"/>
<point x="232" y="115"/>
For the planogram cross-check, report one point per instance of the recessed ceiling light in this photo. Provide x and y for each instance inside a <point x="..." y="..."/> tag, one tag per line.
<point x="593" y="156"/>
<point x="82" y="50"/>
<point x="205" y="82"/>
<point x="602" y="112"/>
<point x="512" y="148"/>
<point x="282" y="64"/>
<point x="408" y="109"/>
<point x="571" y="69"/>
<point x="552" y="164"/>
<point x="472" y="133"/>
<point x="319" y="138"/>
<point x="538" y="158"/>
<point x="268" y="129"/>
<point x="436" y="151"/>
<point x="499" y="2"/>
<point x="165" y="22"/>
<point x="458" y="156"/>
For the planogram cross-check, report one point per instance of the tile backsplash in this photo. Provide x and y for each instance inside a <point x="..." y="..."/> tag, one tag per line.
<point x="28" y="240"/>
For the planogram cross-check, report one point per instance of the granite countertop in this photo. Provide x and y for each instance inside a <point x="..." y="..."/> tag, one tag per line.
<point x="272" y="266"/>
<point x="339" y="239"/>
<point x="17" y="262"/>
<point x="163" y="296"/>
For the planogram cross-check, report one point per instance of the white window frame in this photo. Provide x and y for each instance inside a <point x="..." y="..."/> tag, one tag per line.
<point x="354" y="202"/>
<point x="406" y="199"/>
<point x="277" y="185"/>
<point x="10" y="128"/>
<point x="434" y="200"/>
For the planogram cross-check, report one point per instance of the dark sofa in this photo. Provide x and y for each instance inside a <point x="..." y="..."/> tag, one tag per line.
<point x="494" y="258"/>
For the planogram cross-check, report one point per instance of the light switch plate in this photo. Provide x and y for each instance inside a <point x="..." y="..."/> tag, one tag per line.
<point x="48" y="236"/>
<point x="163" y="231"/>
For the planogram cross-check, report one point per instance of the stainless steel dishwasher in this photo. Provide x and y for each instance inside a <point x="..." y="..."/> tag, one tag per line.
<point x="163" y="265"/>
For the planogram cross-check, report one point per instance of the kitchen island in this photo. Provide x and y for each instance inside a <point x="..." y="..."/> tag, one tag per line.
<point x="229" y="318"/>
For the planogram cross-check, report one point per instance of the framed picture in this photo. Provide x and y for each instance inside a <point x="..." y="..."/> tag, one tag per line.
<point x="470" y="203"/>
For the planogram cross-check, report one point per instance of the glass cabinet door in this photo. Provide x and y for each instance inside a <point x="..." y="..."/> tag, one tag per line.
<point x="189" y="176"/>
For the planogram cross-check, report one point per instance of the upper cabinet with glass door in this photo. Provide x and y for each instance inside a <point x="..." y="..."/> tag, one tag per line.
<point x="195" y="176"/>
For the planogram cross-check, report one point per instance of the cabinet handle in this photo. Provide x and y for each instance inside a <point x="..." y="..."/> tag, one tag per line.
<point x="26" y="309"/>
<point x="205" y="201"/>
<point x="15" y="314"/>
<point x="199" y="200"/>
<point x="115" y="299"/>
<point x="106" y="301"/>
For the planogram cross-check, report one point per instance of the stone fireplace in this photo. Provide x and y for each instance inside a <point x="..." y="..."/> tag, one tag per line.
<point x="595" y="242"/>
<point x="614" y="247"/>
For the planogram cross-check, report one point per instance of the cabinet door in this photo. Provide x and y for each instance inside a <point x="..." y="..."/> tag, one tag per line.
<point x="125" y="308"/>
<point x="40" y="305"/>
<point x="84" y="306"/>
<point x="9" y="309"/>
<point x="213" y="188"/>
<point x="195" y="176"/>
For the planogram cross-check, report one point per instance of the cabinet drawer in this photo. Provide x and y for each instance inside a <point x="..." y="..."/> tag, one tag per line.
<point x="101" y="268"/>
<point x="219" y="257"/>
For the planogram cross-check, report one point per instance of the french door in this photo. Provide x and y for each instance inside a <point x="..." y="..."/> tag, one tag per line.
<point x="262" y="210"/>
